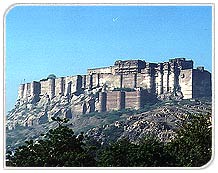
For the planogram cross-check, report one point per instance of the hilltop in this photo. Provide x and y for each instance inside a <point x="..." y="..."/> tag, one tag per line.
<point x="130" y="99"/>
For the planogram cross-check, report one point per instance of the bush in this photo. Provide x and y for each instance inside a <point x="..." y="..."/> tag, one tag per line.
<point x="193" y="145"/>
<point x="59" y="148"/>
<point x="148" y="153"/>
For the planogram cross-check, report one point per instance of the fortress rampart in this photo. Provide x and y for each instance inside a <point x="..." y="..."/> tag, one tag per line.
<point x="176" y="76"/>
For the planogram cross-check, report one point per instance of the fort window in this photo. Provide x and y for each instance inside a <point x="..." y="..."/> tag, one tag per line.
<point x="182" y="75"/>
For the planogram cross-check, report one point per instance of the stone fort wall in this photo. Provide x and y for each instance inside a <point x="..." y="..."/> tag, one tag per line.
<point x="176" y="75"/>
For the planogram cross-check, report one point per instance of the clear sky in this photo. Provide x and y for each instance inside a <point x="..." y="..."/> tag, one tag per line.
<point x="66" y="40"/>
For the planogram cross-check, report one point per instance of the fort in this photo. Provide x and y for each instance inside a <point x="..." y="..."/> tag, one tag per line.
<point x="126" y="84"/>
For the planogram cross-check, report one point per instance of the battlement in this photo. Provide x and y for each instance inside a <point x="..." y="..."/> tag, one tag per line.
<point x="103" y="70"/>
<point x="172" y="77"/>
<point x="51" y="87"/>
<point x="129" y="66"/>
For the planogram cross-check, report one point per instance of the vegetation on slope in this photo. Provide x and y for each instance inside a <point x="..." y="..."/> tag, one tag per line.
<point x="192" y="147"/>
<point x="161" y="120"/>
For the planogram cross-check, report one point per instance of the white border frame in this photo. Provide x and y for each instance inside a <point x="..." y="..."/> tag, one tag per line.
<point x="114" y="4"/>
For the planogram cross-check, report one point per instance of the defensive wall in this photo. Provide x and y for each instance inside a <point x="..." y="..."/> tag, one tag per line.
<point x="175" y="75"/>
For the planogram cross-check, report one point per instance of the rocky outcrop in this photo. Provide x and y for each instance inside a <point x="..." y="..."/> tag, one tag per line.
<point x="28" y="112"/>
<point x="161" y="120"/>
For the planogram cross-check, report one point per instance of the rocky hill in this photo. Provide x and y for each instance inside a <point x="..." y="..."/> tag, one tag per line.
<point x="27" y="121"/>
<point x="120" y="101"/>
<point x="28" y="112"/>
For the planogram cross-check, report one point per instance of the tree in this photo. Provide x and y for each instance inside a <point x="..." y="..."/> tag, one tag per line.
<point x="60" y="147"/>
<point x="116" y="154"/>
<point x="148" y="153"/>
<point x="151" y="153"/>
<point x="193" y="145"/>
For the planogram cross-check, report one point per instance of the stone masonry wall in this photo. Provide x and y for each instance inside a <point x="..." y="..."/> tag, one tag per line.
<point x="129" y="81"/>
<point x="59" y="86"/>
<point x="113" y="102"/>
<point x="51" y="87"/>
<point x="185" y="81"/>
<point x="44" y="87"/>
<point x="110" y="81"/>
<point x="132" y="100"/>
<point x="72" y="84"/>
<point x="117" y="100"/>
<point x="35" y="88"/>
<point x="195" y="83"/>
<point x="103" y="70"/>
<point x="154" y="78"/>
<point x="21" y="91"/>
<point x="166" y="77"/>
<point x="95" y="80"/>
<point x="201" y="83"/>
<point x="159" y="79"/>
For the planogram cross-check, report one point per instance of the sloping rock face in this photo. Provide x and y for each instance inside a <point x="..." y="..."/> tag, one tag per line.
<point x="29" y="112"/>
<point x="161" y="120"/>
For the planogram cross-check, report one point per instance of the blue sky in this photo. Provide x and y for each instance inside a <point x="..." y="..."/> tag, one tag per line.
<point x="66" y="40"/>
